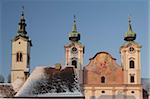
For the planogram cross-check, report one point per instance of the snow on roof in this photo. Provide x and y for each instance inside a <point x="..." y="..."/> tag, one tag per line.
<point x="146" y="84"/>
<point x="17" y="84"/>
<point x="46" y="80"/>
<point x="6" y="90"/>
<point x="8" y="84"/>
<point x="37" y="74"/>
<point x="63" y="94"/>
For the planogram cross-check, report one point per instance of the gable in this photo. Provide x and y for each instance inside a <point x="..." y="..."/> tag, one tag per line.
<point x="103" y="64"/>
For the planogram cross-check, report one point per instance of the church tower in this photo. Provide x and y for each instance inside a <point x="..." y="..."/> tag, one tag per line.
<point x="130" y="57"/>
<point x="21" y="45"/>
<point x="74" y="50"/>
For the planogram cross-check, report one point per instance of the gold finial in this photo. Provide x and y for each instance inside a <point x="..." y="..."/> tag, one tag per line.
<point x="74" y="16"/>
<point x="129" y="25"/>
<point x="74" y="24"/>
<point x="129" y="19"/>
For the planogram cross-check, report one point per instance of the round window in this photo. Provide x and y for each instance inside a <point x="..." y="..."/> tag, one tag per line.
<point x="131" y="50"/>
<point x="74" y="50"/>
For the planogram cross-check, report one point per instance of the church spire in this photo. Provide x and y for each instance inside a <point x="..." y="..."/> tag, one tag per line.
<point x="129" y="35"/>
<point x="74" y="36"/>
<point x="22" y="24"/>
<point x="129" y="24"/>
<point x="74" y="29"/>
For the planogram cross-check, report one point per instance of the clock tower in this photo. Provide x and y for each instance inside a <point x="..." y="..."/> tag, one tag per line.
<point x="130" y="57"/>
<point x="74" y="50"/>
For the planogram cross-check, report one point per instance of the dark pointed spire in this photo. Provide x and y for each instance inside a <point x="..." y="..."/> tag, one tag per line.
<point x="22" y="28"/>
<point x="129" y="35"/>
<point x="22" y="13"/>
<point x="22" y="24"/>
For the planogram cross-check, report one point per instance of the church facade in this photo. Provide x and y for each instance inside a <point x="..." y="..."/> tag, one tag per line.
<point x="102" y="77"/>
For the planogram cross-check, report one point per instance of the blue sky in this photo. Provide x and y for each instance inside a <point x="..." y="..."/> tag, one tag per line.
<point x="102" y="24"/>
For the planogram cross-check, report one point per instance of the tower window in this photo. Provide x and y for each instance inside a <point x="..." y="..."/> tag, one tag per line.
<point x="102" y="79"/>
<point x="131" y="49"/>
<point x="74" y="63"/>
<point x="131" y="64"/>
<point x="19" y="57"/>
<point x="74" y="50"/>
<point x="28" y="60"/>
<point x="132" y="78"/>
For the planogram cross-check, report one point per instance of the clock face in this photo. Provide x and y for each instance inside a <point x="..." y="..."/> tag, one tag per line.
<point x="131" y="50"/>
<point x="74" y="50"/>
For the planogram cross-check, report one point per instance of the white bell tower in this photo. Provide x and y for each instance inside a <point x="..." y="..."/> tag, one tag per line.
<point x="74" y="51"/>
<point x="21" y="45"/>
<point x="130" y="56"/>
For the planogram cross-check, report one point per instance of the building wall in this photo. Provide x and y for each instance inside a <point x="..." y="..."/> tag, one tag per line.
<point x="112" y="91"/>
<point x="18" y="68"/>
<point x="103" y="64"/>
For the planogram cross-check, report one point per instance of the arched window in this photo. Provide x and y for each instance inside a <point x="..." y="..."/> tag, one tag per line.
<point x="74" y="63"/>
<point x="131" y="64"/>
<point x="102" y="79"/>
<point x="19" y="57"/>
<point x="28" y="60"/>
<point x="132" y="78"/>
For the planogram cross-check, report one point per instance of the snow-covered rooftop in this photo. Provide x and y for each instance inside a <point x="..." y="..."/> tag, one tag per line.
<point x="17" y="84"/>
<point x="63" y="94"/>
<point x="6" y="90"/>
<point x="146" y="84"/>
<point x="48" y="81"/>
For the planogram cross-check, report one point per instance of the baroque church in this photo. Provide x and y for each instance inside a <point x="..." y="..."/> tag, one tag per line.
<point x="101" y="78"/>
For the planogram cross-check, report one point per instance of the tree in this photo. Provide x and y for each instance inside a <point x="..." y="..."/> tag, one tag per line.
<point x="2" y="78"/>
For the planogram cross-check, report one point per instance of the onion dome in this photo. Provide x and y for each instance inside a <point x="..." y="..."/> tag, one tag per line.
<point x="129" y="35"/>
<point x="74" y="35"/>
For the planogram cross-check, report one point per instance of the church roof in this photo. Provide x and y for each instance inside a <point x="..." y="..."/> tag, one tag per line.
<point x="22" y="29"/>
<point x="127" y="43"/>
<point x="146" y="84"/>
<point x="6" y="90"/>
<point x="74" y="35"/>
<point x="100" y="53"/>
<point x="73" y="43"/>
<point x="46" y="80"/>
<point x="129" y="35"/>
